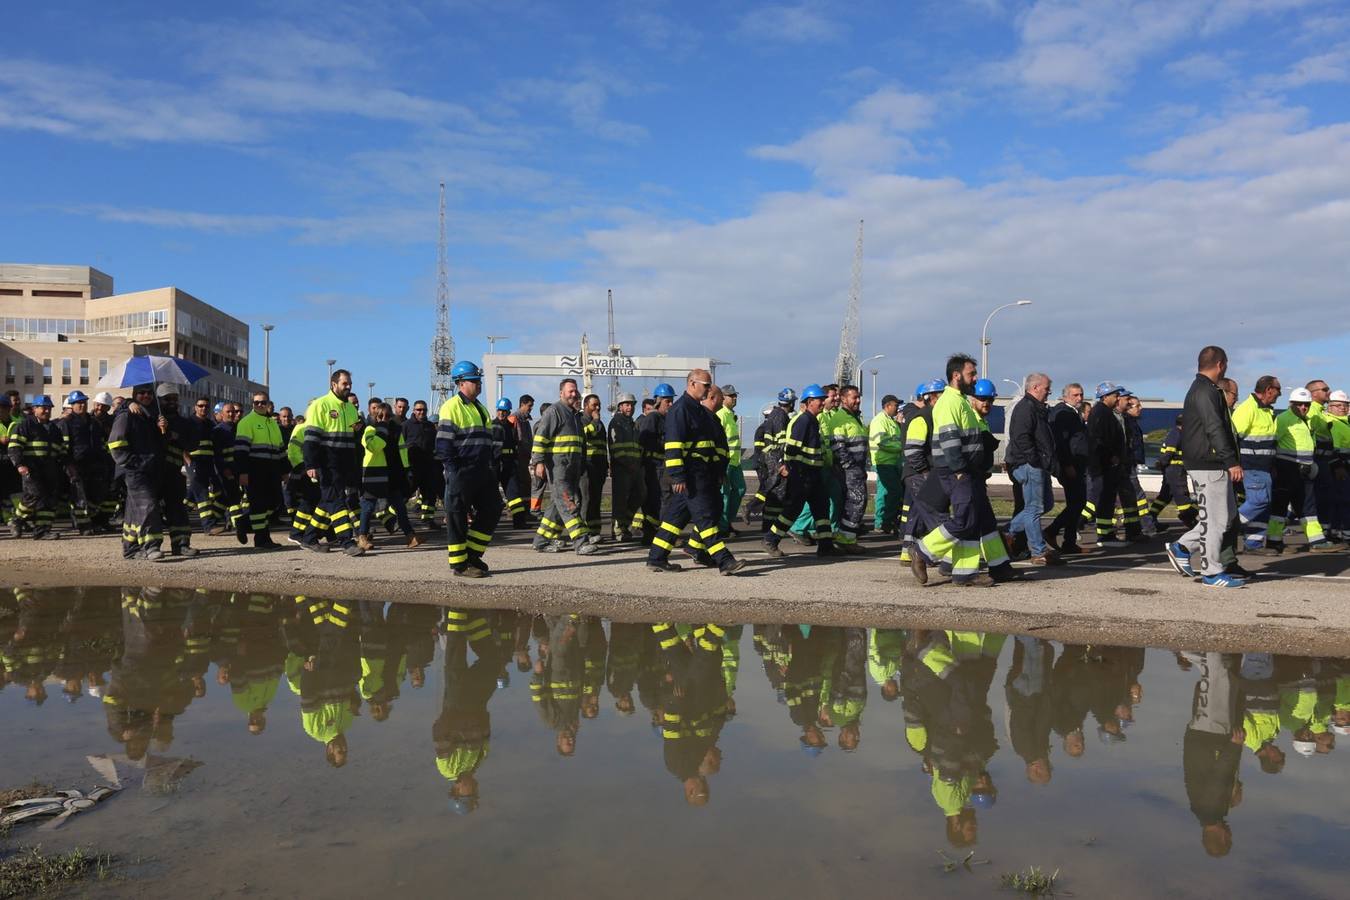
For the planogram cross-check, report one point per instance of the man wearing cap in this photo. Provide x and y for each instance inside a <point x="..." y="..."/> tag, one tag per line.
<point x="1210" y="451"/>
<point x="627" y="489"/>
<point x="774" y="487"/>
<point x="1108" y="464"/>
<point x="886" y="444"/>
<point x="508" y="471"/>
<point x="176" y="431"/>
<point x="84" y="447"/>
<point x="136" y="442"/>
<point x="466" y="447"/>
<point x="36" y="451"/>
<point x="733" y="488"/>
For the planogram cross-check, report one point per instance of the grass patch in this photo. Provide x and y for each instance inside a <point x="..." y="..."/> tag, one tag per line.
<point x="1034" y="881"/>
<point x="28" y="792"/>
<point x="31" y="872"/>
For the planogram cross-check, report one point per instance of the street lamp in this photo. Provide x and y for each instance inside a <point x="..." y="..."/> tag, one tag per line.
<point x="874" y="393"/>
<point x="984" y="335"/>
<point x="331" y="363"/>
<point x="863" y="363"/>
<point x="492" y="340"/>
<point x="267" y="355"/>
<point x="370" y="390"/>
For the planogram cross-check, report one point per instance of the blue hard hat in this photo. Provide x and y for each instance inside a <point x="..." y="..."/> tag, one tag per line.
<point x="1107" y="387"/>
<point x="1126" y="392"/>
<point x="813" y="392"/>
<point x="218" y="408"/>
<point x="76" y="397"/>
<point x="462" y="806"/>
<point x="936" y="386"/>
<point x="44" y="400"/>
<point x="504" y="405"/>
<point x="922" y="388"/>
<point x="787" y="395"/>
<point x="664" y="392"/>
<point x="466" y="371"/>
<point x="983" y="799"/>
<point x="810" y="751"/>
<point x="984" y="389"/>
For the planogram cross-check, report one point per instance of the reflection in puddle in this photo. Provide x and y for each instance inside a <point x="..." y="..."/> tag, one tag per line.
<point x="948" y="739"/>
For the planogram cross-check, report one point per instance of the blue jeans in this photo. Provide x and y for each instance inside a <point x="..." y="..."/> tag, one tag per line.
<point x="1255" y="510"/>
<point x="1037" y="496"/>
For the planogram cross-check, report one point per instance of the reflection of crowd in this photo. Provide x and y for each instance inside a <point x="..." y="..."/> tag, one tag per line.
<point x="145" y="655"/>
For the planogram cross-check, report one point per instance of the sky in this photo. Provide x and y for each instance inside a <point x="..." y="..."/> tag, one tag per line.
<point x="1155" y="175"/>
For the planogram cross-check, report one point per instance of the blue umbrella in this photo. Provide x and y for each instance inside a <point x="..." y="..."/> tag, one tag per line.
<point x="152" y="370"/>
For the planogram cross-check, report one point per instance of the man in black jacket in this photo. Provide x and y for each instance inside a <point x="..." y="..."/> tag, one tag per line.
<point x="1209" y="448"/>
<point x="1072" y="449"/>
<point x="1108" y="466"/>
<point x="1031" y="459"/>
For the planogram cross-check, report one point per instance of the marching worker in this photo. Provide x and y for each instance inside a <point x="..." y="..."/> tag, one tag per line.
<point x="508" y="470"/>
<point x="559" y="457"/>
<point x="774" y="487"/>
<point x="886" y="442"/>
<point x="521" y="420"/>
<point x="1338" y="406"/>
<point x="113" y="490"/>
<point x="1031" y="458"/>
<point x="651" y="429"/>
<point x="202" y="469"/>
<point x="1108" y="465"/>
<point x="465" y="445"/>
<point x="260" y="463"/>
<point x="1174" y="486"/>
<point x="692" y="464"/>
<point x="992" y="546"/>
<point x="756" y="505"/>
<point x="384" y="476"/>
<point x="136" y="442"/>
<point x="36" y="450"/>
<point x="1254" y="422"/>
<point x="1134" y="440"/>
<point x="177" y="431"/>
<point x="1295" y="494"/>
<point x="227" y="501"/>
<point x="1324" y="454"/>
<point x="594" y="439"/>
<point x="733" y="488"/>
<point x="959" y="465"/>
<point x="1073" y="450"/>
<point x="10" y="482"/>
<point x="332" y="424"/>
<point x="428" y="475"/>
<point x="918" y="426"/>
<point x="801" y="468"/>
<point x="85" y="449"/>
<point x="302" y="490"/>
<point x="848" y="442"/>
<point x="627" y="488"/>
<point x="803" y="528"/>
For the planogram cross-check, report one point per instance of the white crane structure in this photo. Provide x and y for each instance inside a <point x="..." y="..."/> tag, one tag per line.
<point x="847" y="363"/>
<point x="442" y="344"/>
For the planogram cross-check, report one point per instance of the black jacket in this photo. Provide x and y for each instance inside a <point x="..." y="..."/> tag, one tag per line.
<point x="1071" y="438"/>
<point x="1208" y="441"/>
<point x="1108" y="439"/>
<point x="1029" y="438"/>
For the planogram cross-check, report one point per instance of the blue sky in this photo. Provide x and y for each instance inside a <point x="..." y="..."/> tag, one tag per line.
<point x="1154" y="175"/>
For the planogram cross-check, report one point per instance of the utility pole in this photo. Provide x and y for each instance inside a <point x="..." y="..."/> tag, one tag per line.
<point x="613" y="351"/>
<point x="331" y="363"/>
<point x="267" y="355"/>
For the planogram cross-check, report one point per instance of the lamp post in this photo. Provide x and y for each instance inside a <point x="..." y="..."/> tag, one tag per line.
<point x="267" y="355"/>
<point x="863" y="363"/>
<point x="370" y="390"/>
<point x="331" y="363"/>
<point x="492" y="340"/>
<point x="984" y="335"/>
<point x="874" y="393"/>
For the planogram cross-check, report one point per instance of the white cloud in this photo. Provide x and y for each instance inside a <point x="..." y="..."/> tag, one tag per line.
<point x="1331" y="67"/>
<point x="872" y="137"/>
<point x="584" y="98"/>
<point x="781" y="23"/>
<point x="1202" y="67"/>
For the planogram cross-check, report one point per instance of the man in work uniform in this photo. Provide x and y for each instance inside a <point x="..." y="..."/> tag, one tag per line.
<point x="848" y="441"/>
<point x="627" y="488"/>
<point x="802" y="462"/>
<point x="918" y="418"/>
<point x="1254" y="422"/>
<point x="1295" y="495"/>
<point x="1073" y="449"/>
<point x="1324" y="452"/>
<point x="756" y="505"/>
<point x="202" y="469"/>
<point x="651" y="429"/>
<point x="774" y="486"/>
<point x="1174" y="486"/>
<point x="84" y="452"/>
<point x="559" y="456"/>
<point x="464" y="443"/>
<point x="521" y="421"/>
<point x="691" y="463"/>
<point x="331" y="426"/>
<point x="10" y="483"/>
<point x="303" y="491"/>
<point x="595" y="440"/>
<point x="176" y="430"/>
<point x="419" y="433"/>
<point x="803" y="528"/>
<point x="1108" y="465"/>
<point x="260" y="459"/>
<point x="733" y="488"/>
<point x="136" y="443"/>
<point x="886" y="442"/>
<point x="226" y="499"/>
<point x="508" y="469"/>
<point x="36" y="451"/>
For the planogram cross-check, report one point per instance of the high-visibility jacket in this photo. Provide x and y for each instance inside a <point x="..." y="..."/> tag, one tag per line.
<point x="258" y="448"/>
<point x="595" y="439"/>
<point x="464" y="439"/>
<point x="222" y="447"/>
<point x="135" y="442"/>
<point x="1293" y="438"/>
<point x="82" y="437"/>
<point x="776" y="433"/>
<point x="651" y="438"/>
<point x="918" y="439"/>
<point x="827" y="419"/>
<point x="200" y="445"/>
<point x="803" y="445"/>
<point x="295" y="449"/>
<point x="623" y="442"/>
<point x="1319" y="423"/>
<point x="885" y="440"/>
<point x="690" y="444"/>
<point x="956" y="429"/>
<point x="848" y="439"/>
<point x="330" y="434"/>
<point x="1340" y="437"/>
<point x="1255" y="427"/>
<point x="505" y="436"/>
<point x="557" y="438"/>
<point x="1171" y="450"/>
<point x="34" y="443"/>
<point x="731" y="427"/>
<point x="380" y="469"/>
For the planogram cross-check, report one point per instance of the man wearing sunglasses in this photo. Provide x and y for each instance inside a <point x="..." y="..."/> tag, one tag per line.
<point x="202" y="466"/>
<point x="260" y="460"/>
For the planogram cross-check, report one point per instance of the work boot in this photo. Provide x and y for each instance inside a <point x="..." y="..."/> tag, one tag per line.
<point x="850" y="549"/>
<point x="1270" y="548"/>
<point x="663" y="565"/>
<point x="216" y="530"/>
<point x="1005" y="572"/>
<point x="241" y="531"/>
<point x="773" y="550"/>
<point x="827" y="548"/>
<point x="476" y="562"/>
<point x="263" y="541"/>
<point x="1322" y="546"/>
<point x="976" y="581"/>
<point x="153" y="554"/>
<point x="314" y="547"/>
<point x="584" y="546"/>
<point x="354" y="550"/>
<point x="918" y="565"/>
<point x="467" y="571"/>
<point x="45" y="534"/>
<point x="185" y="551"/>
<point x="806" y="540"/>
<point x="731" y="566"/>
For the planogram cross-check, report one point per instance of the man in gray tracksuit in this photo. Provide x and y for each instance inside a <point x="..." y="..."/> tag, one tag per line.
<point x="559" y="455"/>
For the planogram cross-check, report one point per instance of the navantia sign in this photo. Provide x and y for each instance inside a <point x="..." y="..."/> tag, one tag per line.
<point x="614" y="366"/>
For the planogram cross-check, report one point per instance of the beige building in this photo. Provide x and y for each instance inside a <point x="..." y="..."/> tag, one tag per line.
<point x="62" y="328"/>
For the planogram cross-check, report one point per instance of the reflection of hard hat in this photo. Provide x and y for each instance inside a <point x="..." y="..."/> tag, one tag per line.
<point x="787" y="395"/>
<point x="627" y="398"/>
<point x="811" y="751"/>
<point x="1300" y="395"/>
<point x="983" y="799"/>
<point x="103" y="398"/>
<point x="166" y="390"/>
<point x="504" y="405"/>
<point x="664" y="392"/>
<point x="984" y="389"/>
<point x="462" y="806"/>
<point x="466" y="371"/>
<point x="813" y="392"/>
<point x="1305" y="748"/>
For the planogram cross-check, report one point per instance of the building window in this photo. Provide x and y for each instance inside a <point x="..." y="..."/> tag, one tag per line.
<point x="102" y="368"/>
<point x="46" y="371"/>
<point x="28" y="371"/>
<point x="11" y="371"/>
<point x="65" y="371"/>
<point x="84" y="371"/>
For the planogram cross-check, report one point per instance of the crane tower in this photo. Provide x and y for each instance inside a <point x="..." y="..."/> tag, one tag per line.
<point x="442" y="345"/>
<point x="845" y="367"/>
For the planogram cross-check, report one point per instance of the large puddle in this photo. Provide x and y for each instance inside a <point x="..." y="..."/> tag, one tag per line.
<point x="282" y="748"/>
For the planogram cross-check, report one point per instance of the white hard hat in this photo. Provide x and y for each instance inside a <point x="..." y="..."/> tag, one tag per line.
<point x="170" y="390"/>
<point x="1300" y="395"/>
<point x="103" y="398"/>
<point x="1305" y="748"/>
<point x="1339" y="397"/>
<point x="627" y="398"/>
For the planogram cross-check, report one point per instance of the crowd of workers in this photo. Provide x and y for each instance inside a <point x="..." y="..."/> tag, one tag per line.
<point x="146" y="654"/>
<point x="336" y="473"/>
